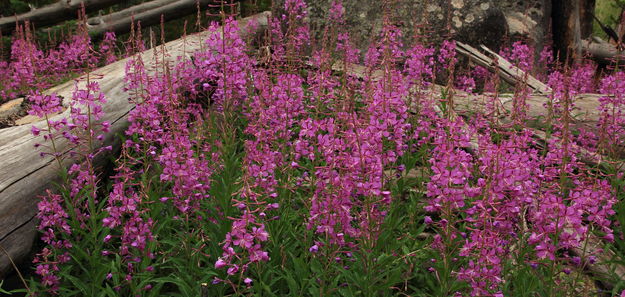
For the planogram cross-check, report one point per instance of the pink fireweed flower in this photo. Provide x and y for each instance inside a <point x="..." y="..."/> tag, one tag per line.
<point x="271" y="115"/>
<point x="224" y="66"/>
<point x="508" y="187"/>
<point x="520" y="55"/>
<point x="42" y="105"/>
<point x="612" y="110"/>
<point x="107" y="48"/>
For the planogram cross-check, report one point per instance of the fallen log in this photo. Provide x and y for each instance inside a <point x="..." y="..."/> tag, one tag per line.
<point x="586" y="112"/>
<point x="604" y="266"/>
<point x="24" y="174"/>
<point x="53" y="13"/>
<point x="604" y="52"/>
<point x="148" y="13"/>
<point x="506" y="70"/>
<point x="130" y="11"/>
<point x="586" y="106"/>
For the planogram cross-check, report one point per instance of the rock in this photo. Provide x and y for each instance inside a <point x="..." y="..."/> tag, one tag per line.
<point x="493" y="23"/>
<point x="472" y="21"/>
<point x="528" y="20"/>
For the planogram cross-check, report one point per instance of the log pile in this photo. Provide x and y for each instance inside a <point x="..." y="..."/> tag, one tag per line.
<point x="53" y="13"/>
<point x="147" y="13"/>
<point x="24" y="174"/>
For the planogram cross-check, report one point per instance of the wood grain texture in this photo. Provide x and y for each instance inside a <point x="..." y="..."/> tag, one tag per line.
<point x="24" y="174"/>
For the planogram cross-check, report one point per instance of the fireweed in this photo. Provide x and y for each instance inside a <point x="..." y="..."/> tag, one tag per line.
<point x="61" y="216"/>
<point x="31" y="68"/>
<point x="244" y="178"/>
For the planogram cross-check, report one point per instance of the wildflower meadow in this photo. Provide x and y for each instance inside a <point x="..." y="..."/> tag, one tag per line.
<point x="296" y="164"/>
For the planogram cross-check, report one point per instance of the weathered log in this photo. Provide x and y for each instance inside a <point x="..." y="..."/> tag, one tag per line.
<point x="54" y="13"/>
<point x="505" y="69"/>
<point x="148" y="14"/>
<point x="24" y="174"/>
<point x="587" y="106"/>
<point x="586" y="111"/>
<point x="130" y="11"/>
<point x="604" y="267"/>
<point x="603" y="52"/>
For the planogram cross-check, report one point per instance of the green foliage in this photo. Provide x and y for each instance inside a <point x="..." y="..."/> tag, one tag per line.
<point x="11" y="7"/>
<point x="187" y="249"/>
<point x="608" y="12"/>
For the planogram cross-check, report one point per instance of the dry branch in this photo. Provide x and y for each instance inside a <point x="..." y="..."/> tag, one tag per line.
<point x="54" y="13"/>
<point x="24" y="174"/>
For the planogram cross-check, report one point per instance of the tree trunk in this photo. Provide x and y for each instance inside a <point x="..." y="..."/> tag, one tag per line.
<point x="53" y="13"/>
<point x="148" y="13"/>
<point x="24" y="174"/>
<point x="620" y="25"/>
<point x="587" y="10"/>
<point x="567" y="30"/>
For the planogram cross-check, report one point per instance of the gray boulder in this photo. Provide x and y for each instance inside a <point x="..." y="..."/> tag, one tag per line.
<point x="471" y="21"/>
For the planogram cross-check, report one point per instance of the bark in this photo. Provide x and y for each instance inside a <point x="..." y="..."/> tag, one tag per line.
<point x="587" y="9"/>
<point x="24" y="174"/>
<point x="148" y="14"/>
<point x="567" y="30"/>
<point x="620" y="25"/>
<point x="572" y="22"/>
<point x="53" y="13"/>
